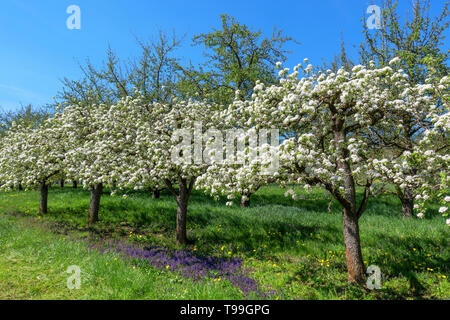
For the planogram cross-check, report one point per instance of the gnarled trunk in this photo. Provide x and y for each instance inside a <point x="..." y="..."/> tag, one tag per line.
<point x="75" y="184"/>
<point x="94" y="205"/>
<point x="245" y="200"/>
<point x="155" y="194"/>
<point x="182" y="197"/>
<point x="353" y="254"/>
<point x="407" y="203"/>
<point x="20" y="187"/>
<point x="350" y="214"/>
<point x="61" y="183"/>
<point x="44" y="197"/>
<point x="182" y="201"/>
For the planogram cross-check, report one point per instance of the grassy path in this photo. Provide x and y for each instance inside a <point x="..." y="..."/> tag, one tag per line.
<point x="33" y="265"/>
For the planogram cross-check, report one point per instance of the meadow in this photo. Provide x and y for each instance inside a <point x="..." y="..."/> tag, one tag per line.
<point x="278" y="248"/>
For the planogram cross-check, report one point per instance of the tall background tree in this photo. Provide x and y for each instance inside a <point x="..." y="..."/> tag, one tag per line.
<point x="27" y="116"/>
<point x="236" y="57"/>
<point x="418" y="43"/>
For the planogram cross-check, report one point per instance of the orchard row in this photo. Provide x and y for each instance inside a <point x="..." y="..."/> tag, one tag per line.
<point x="368" y="126"/>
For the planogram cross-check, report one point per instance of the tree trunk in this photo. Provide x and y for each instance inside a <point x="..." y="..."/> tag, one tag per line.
<point x="355" y="264"/>
<point x="61" y="183"/>
<point x="75" y="184"/>
<point x="182" y="201"/>
<point x="182" y="197"/>
<point x="94" y="205"/>
<point x="350" y="215"/>
<point x="407" y="204"/>
<point x="44" y="197"/>
<point x="20" y="187"/>
<point x="156" y="194"/>
<point x="245" y="201"/>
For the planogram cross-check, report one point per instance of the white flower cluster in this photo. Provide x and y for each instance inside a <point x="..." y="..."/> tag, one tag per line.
<point x="31" y="156"/>
<point x="336" y="125"/>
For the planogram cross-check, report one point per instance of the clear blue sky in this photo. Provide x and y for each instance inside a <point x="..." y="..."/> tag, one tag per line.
<point x="37" y="49"/>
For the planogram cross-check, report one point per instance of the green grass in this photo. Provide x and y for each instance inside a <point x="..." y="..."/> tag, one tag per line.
<point x="33" y="265"/>
<point x="293" y="247"/>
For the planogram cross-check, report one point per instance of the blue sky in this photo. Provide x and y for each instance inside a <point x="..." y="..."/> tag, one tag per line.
<point x="37" y="49"/>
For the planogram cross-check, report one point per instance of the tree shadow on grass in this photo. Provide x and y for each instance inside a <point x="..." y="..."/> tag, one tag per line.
<point x="412" y="256"/>
<point x="307" y="204"/>
<point x="140" y="212"/>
